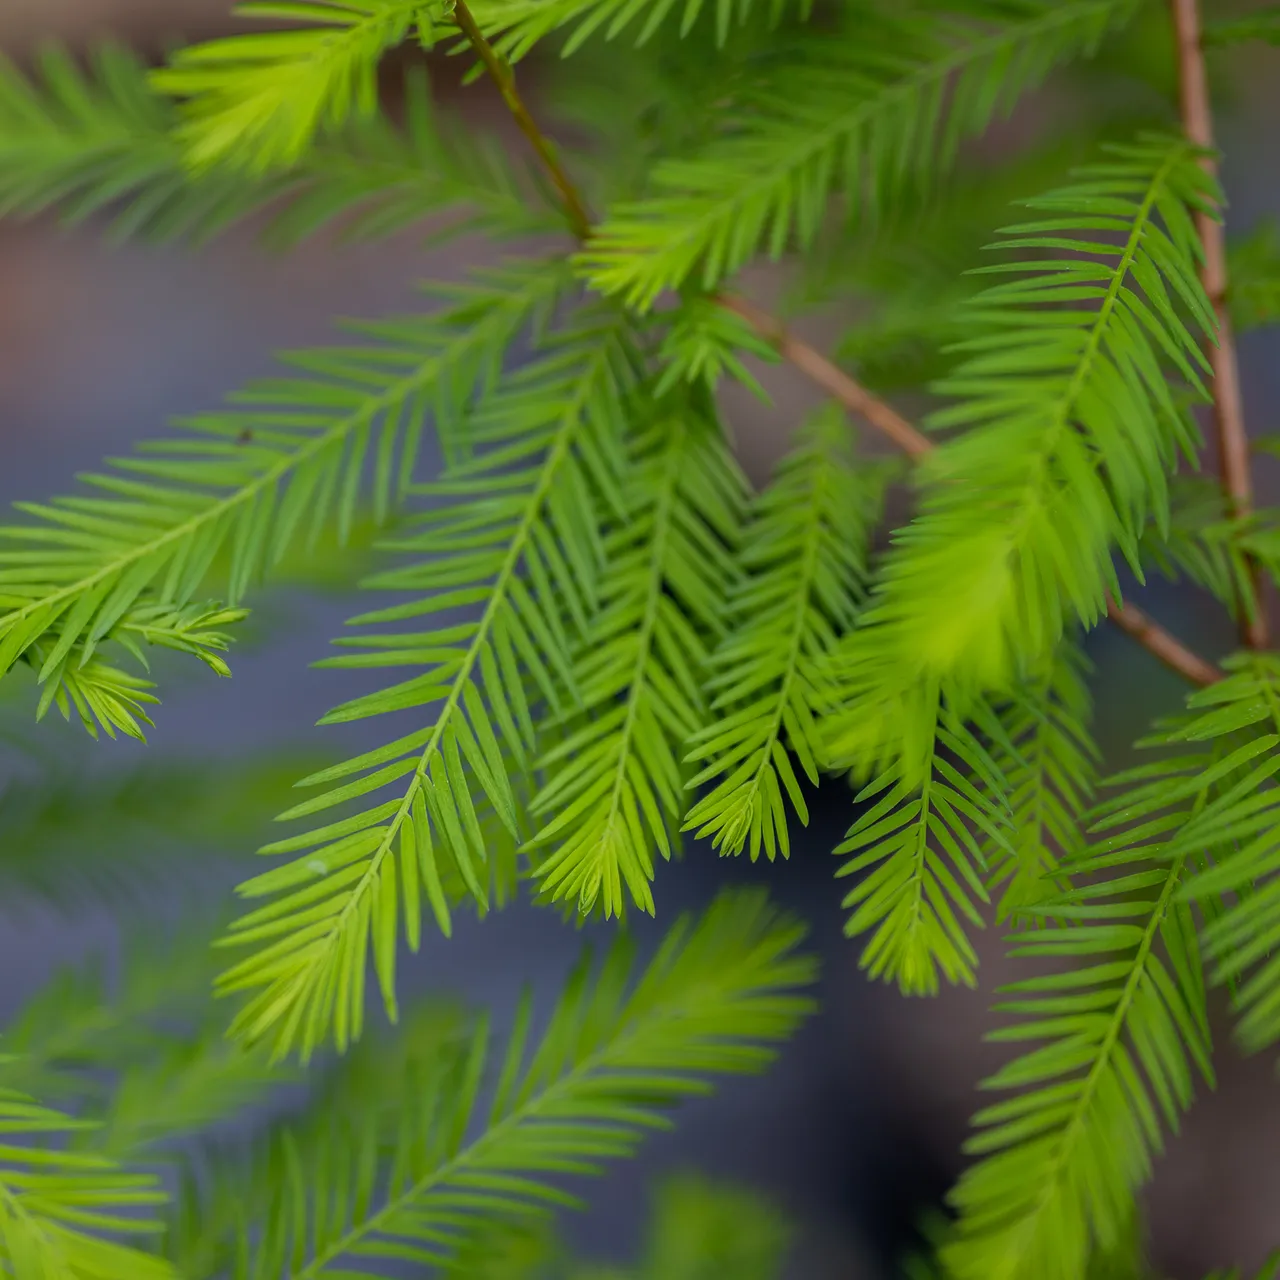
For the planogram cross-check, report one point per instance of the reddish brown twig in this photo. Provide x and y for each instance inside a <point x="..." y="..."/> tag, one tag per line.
<point x="831" y="378"/>
<point x="1169" y="649"/>
<point x="838" y="384"/>
<point x="1228" y="405"/>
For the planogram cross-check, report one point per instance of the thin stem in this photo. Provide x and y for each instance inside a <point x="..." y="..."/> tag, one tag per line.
<point x="841" y="387"/>
<point x="831" y="378"/>
<point x="1228" y="405"/>
<point x="504" y="77"/>
<point x="1169" y="649"/>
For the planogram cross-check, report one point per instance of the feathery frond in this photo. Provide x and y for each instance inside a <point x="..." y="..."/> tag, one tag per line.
<point x="864" y="112"/>
<point x="705" y="341"/>
<point x="67" y="839"/>
<point x="1126" y="1257"/>
<point x="804" y="561"/>
<point x="1201" y="542"/>
<point x="1262" y="24"/>
<point x="1051" y="774"/>
<point x="54" y="1203"/>
<point x="705" y="1230"/>
<point x="141" y="1057"/>
<point x="1238" y="838"/>
<point x="294" y="457"/>
<point x="674" y="92"/>
<point x="108" y="699"/>
<point x="229" y="1183"/>
<point x="521" y="538"/>
<point x="376" y="178"/>
<point x="1123" y="1032"/>
<point x="1270" y="1270"/>
<point x="1069" y="427"/>
<point x="923" y="860"/>
<point x="911" y="278"/>
<point x="1254" y="265"/>
<point x="614" y="790"/>
<point x="717" y="999"/>
<point x="189" y="1085"/>
<point x="519" y="1250"/>
<point x="78" y="1027"/>
<point x="256" y="101"/>
<point x="83" y="142"/>
<point x="101" y="141"/>
<point x="515" y="26"/>
<point x="1127" y="1027"/>
<point x="697" y="1229"/>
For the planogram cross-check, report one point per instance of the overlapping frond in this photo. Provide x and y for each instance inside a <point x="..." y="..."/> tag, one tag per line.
<point x="914" y="303"/>
<point x="79" y="1027"/>
<point x="1050" y="768"/>
<point x="1201" y="541"/>
<point x="295" y="456"/>
<point x="615" y="786"/>
<point x="136" y="1094"/>
<point x="59" y="1209"/>
<point x="81" y="142"/>
<point x="520" y="1250"/>
<point x="1206" y="545"/>
<point x="1238" y="838"/>
<point x="101" y="141"/>
<point x="918" y="850"/>
<point x="704" y="342"/>
<point x="702" y="1230"/>
<point x="1263" y="24"/>
<point x="804" y="560"/>
<point x="697" y="1229"/>
<point x="69" y="837"/>
<point x="515" y="26"/>
<point x="106" y="699"/>
<point x="718" y="998"/>
<point x="1270" y="1269"/>
<point x="877" y="106"/>
<point x="376" y="177"/>
<point x="1120" y="1034"/>
<point x="229" y="1182"/>
<point x="186" y="1085"/>
<point x="141" y="1058"/>
<point x="520" y="539"/>
<point x="1254" y="265"/>
<point x="1126" y="1257"/>
<point x="257" y="100"/>
<point x="911" y="278"/>
<point x="1069" y="426"/>
<point x="674" y="92"/>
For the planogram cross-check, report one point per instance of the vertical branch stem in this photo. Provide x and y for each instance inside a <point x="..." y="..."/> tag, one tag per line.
<point x="1228" y="405"/>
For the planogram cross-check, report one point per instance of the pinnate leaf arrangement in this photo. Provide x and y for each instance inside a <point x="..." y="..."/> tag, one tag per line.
<point x="589" y="639"/>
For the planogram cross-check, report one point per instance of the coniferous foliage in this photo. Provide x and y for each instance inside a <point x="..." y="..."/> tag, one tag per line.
<point x="804" y="557"/>
<point x="587" y="640"/>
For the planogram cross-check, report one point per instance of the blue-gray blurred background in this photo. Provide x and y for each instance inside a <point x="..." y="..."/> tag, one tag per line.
<point x="858" y="1129"/>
